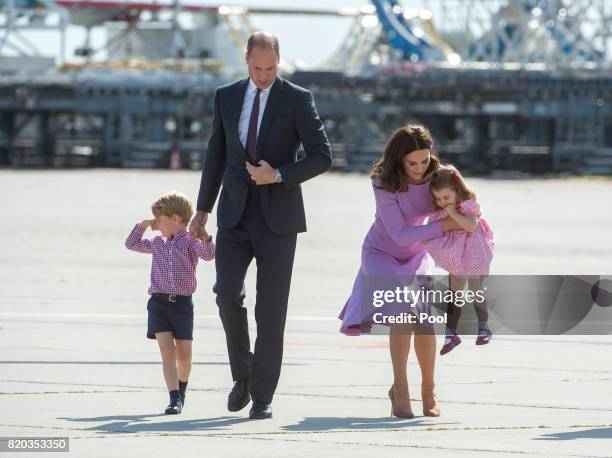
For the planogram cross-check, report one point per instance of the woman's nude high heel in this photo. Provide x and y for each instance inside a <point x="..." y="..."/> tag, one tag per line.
<point x="398" y="413"/>
<point x="430" y="406"/>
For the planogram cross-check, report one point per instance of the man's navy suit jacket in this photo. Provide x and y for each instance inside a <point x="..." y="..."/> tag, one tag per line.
<point x="290" y="118"/>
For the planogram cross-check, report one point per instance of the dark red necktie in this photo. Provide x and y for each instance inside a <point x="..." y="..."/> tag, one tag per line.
<point x="251" y="144"/>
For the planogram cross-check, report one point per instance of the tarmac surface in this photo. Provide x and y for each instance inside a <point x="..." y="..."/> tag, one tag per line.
<point x="76" y="362"/>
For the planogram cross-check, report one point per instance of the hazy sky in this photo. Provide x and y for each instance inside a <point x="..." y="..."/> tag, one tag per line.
<point x="309" y="38"/>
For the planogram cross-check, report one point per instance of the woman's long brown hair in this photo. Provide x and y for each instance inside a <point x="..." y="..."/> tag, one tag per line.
<point x="390" y="169"/>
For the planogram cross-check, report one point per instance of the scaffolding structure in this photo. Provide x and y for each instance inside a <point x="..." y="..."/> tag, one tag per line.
<point x="20" y="16"/>
<point x="503" y="84"/>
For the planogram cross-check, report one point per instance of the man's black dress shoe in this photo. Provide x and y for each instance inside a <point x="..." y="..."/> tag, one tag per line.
<point x="260" y="411"/>
<point x="174" y="407"/>
<point x="239" y="397"/>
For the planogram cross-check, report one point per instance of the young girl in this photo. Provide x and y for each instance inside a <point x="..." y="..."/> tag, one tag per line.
<point x="465" y="254"/>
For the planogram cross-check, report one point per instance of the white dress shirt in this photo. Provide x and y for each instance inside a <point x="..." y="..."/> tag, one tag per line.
<point x="247" y="106"/>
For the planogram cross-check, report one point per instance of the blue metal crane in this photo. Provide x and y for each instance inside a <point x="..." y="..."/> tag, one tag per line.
<point x="402" y="35"/>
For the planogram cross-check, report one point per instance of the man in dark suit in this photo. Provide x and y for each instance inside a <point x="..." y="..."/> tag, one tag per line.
<point x="258" y="125"/>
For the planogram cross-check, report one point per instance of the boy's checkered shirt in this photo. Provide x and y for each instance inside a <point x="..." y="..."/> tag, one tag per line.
<point x="174" y="259"/>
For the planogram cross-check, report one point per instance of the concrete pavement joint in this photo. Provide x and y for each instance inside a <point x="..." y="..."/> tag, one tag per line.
<point x="71" y="392"/>
<point x="356" y="430"/>
<point x="483" y="367"/>
<point x="464" y="365"/>
<point x="154" y="389"/>
<point x="343" y="386"/>
<point x="294" y="387"/>
<point x="500" y="404"/>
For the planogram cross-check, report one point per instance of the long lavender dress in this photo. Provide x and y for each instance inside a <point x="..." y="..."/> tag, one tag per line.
<point x="392" y="246"/>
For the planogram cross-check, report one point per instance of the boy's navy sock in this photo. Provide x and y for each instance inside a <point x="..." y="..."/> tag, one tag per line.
<point x="183" y="389"/>
<point x="175" y="405"/>
<point x="174" y="395"/>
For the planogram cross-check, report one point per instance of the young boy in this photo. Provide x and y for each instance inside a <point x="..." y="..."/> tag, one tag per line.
<point x="173" y="281"/>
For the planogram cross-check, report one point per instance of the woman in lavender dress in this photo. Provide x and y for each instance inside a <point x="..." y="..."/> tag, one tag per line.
<point x="393" y="248"/>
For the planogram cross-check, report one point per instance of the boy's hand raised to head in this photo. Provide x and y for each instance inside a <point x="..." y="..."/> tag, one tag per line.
<point x="148" y="223"/>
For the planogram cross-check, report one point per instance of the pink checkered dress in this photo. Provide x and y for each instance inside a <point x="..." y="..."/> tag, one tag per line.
<point x="462" y="253"/>
<point x="174" y="259"/>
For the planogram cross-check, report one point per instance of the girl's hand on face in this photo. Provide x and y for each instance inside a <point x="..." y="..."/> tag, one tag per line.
<point x="451" y="209"/>
<point x="449" y="224"/>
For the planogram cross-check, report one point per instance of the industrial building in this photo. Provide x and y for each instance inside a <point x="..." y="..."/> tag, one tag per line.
<point x="505" y="85"/>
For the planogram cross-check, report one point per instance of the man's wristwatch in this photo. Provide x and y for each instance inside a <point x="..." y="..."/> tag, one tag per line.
<point x="278" y="178"/>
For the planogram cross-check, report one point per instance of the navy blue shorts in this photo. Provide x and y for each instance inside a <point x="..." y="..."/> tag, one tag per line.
<point x="175" y="317"/>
